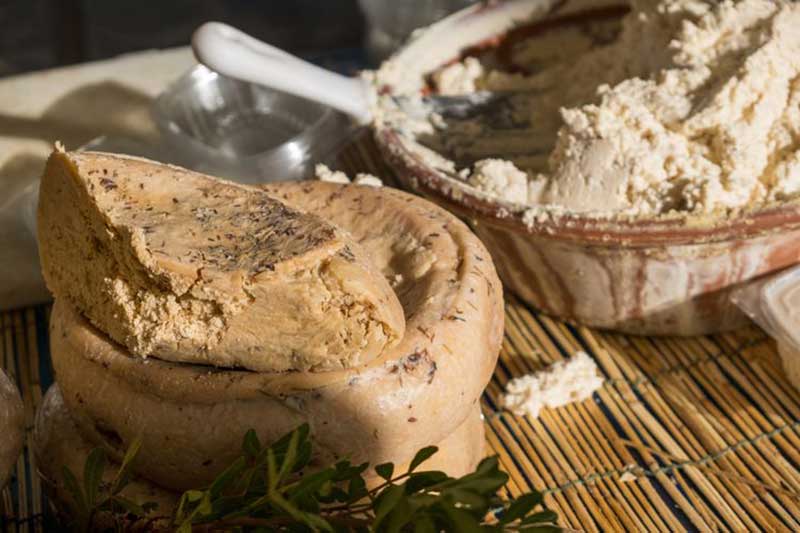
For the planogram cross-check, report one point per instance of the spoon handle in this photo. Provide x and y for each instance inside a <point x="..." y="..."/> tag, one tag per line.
<point x="235" y="54"/>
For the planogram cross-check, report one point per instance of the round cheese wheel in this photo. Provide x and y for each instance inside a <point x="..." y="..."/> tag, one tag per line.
<point x="192" y="417"/>
<point x="57" y="443"/>
<point x="12" y="427"/>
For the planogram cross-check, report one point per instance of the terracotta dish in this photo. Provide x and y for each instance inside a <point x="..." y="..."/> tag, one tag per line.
<point x="643" y="276"/>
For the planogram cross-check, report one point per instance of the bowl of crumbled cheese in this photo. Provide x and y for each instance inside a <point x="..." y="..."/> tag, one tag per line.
<point x="644" y="159"/>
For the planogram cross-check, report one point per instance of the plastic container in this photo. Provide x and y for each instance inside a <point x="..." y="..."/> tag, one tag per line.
<point x="246" y="132"/>
<point x="773" y="303"/>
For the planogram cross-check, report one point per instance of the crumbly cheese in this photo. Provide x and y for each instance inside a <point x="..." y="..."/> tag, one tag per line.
<point x="628" y="475"/>
<point x="712" y="129"/>
<point x="323" y="173"/>
<point x="500" y="178"/>
<point x="368" y="180"/>
<point x="564" y="382"/>
<point x="460" y="77"/>
<point x="693" y="108"/>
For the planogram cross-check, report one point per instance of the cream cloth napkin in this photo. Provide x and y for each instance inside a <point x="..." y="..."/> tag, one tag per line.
<point x="73" y="105"/>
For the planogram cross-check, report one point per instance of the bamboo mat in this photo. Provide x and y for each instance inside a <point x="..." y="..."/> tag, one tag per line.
<point x="695" y="434"/>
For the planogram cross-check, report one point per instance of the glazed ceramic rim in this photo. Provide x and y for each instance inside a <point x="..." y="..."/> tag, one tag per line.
<point x="623" y="231"/>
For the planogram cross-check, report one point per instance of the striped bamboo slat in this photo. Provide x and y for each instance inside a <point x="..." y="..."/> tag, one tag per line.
<point x="694" y="434"/>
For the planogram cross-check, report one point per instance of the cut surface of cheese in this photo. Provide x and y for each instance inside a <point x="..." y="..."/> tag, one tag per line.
<point x="185" y="267"/>
<point x="414" y="394"/>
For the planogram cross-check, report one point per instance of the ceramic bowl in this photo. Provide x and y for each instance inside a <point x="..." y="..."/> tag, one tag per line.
<point x="658" y="277"/>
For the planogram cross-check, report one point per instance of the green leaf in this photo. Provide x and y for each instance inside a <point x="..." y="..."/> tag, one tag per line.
<point x="356" y="489"/>
<point x="385" y="470"/>
<point x="302" y="431"/>
<point x="315" y="522"/>
<point x="424" y="524"/>
<point x="180" y="510"/>
<point x="226" y="506"/>
<point x="310" y="483"/>
<point x="424" y="499"/>
<point x="194" y="495"/>
<point x="486" y="479"/>
<point x="462" y="521"/>
<point x="123" y="474"/>
<point x="185" y="527"/>
<point x="386" y="501"/>
<point x="272" y="471"/>
<point x="129" y="506"/>
<point x="227" y="477"/>
<point x="401" y="516"/>
<point x="75" y="491"/>
<point x="346" y="471"/>
<point x="289" y="457"/>
<point x="422" y="480"/>
<point x="204" y="507"/>
<point x="423" y="455"/>
<point x="279" y="448"/>
<point x="303" y="456"/>
<point x="190" y="496"/>
<point x="474" y="482"/>
<point x="249" y="480"/>
<point x="542" y="517"/>
<point x="521" y="507"/>
<point x="339" y="495"/>
<point x="468" y="500"/>
<point x="93" y="475"/>
<point x="251" y="445"/>
<point x="325" y="489"/>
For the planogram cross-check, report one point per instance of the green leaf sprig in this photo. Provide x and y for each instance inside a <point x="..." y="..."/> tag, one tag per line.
<point x="272" y="488"/>
<point x="95" y="496"/>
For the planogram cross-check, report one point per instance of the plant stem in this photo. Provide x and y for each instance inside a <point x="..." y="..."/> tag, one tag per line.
<point x="385" y="484"/>
<point x="227" y="524"/>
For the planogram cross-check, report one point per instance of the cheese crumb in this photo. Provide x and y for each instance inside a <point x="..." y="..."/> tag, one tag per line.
<point x="500" y="178"/>
<point x="368" y="180"/>
<point x="571" y="380"/>
<point x="323" y="173"/>
<point x="459" y="78"/>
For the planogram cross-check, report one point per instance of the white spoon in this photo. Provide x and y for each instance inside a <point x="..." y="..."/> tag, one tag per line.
<point x="235" y="54"/>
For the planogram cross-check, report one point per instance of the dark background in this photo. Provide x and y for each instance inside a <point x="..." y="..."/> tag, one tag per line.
<point x="38" y="34"/>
